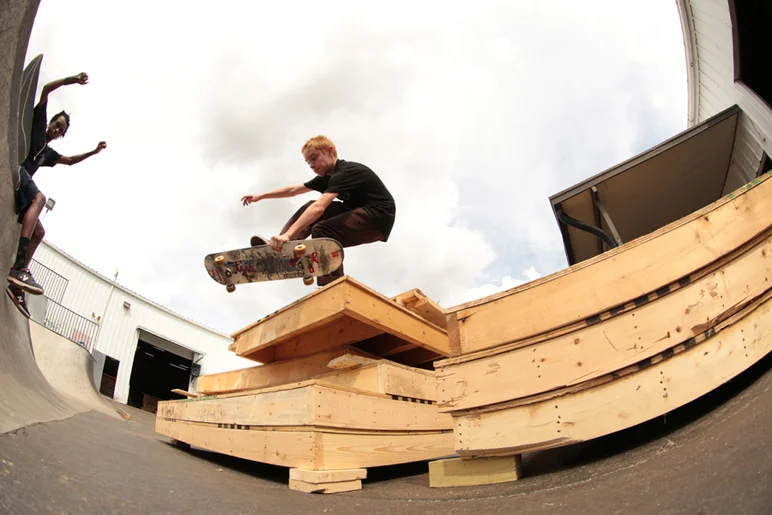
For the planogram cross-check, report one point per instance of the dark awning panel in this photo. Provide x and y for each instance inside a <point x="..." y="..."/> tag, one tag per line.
<point x="651" y="190"/>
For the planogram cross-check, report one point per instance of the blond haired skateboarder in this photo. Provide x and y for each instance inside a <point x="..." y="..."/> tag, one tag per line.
<point x="354" y="208"/>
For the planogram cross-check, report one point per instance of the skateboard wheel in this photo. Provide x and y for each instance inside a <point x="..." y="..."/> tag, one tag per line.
<point x="230" y="288"/>
<point x="228" y="272"/>
<point x="219" y="260"/>
<point x="300" y="250"/>
<point x="308" y="281"/>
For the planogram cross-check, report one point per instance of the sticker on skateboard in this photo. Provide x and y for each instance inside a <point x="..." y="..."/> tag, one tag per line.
<point x="306" y="259"/>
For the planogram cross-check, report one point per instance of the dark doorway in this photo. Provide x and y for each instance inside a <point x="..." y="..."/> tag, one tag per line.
<point x="109" y="373"/>
<point x="751" y="20"/>
<point x="154" y="374"/>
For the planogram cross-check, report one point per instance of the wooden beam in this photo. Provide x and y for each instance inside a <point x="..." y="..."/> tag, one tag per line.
<point x="280" y="372"/>
<point x="347" y="450"/>
<point x="610" y="345"/>
<point x="403" y="381"/>
<point x="480" y="471"/>
<point x="284" y="448"/>
<point x="618" y="276"/>
<point x="622" y="403"/>
<point x="313" y="448"/>
<point x="314" y="404"/>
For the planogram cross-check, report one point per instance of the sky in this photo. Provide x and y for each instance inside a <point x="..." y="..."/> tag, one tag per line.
<point x="472" y="114"/>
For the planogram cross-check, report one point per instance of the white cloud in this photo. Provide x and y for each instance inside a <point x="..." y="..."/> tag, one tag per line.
<point x="472" y="114"/>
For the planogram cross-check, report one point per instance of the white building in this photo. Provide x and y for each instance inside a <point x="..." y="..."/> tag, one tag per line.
<point x="727" y="62"/>
<point x="142" y="349"/>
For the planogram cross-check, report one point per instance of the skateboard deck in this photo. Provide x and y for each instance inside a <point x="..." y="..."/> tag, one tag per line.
<point x="29" y="85"/>
<point x="300" y="258"/>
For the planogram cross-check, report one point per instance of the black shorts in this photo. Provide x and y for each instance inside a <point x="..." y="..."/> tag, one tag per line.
<point x="26" y="192"/>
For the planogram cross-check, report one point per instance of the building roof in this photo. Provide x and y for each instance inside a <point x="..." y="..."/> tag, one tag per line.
<point x="133" y="293"/>
<point x="650" y="190"/>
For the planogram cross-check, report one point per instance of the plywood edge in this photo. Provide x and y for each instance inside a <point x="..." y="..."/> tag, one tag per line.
<point x="289" y="307"/>
<point x="260" y="342"/>
<point x="621" y="249"/>
<point x="373" y="309"/>
<point x="388" y="303"/>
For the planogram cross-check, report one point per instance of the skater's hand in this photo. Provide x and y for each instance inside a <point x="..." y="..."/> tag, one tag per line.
<point x="100" y="147"/>
<point x="249" y="199"/>
<point x="278" y="241"/>
<point x="81" y="78"/>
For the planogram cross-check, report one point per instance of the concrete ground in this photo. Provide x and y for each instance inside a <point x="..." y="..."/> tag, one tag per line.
<point x="712" y="456"/>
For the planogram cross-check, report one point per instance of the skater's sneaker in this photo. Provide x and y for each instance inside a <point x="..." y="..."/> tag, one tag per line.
<point x="18" y="298"/>
<point x="257" y="241"/>
<point x="24" y="280"/>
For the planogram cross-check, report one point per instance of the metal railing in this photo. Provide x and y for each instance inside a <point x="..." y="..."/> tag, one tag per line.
<point x="53" y="283"/>
<point x="71" y="325"/>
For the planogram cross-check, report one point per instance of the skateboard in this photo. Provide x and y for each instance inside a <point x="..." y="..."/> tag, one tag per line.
<point x="304" y="258"/>
<point x="29" y="84"/>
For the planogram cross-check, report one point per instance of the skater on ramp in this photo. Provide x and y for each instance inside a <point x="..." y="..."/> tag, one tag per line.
<point x="29" y="199"/>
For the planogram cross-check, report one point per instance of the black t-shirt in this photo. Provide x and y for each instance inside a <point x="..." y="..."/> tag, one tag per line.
<point x="40" y="154"/>
<point x="358" y="186"/>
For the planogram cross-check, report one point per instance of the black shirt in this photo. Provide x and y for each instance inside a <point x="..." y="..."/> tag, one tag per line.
<point x="358" y="186"/>
<point x="40" y="154"/>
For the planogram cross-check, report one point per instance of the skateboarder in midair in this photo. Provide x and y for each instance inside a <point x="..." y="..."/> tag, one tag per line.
<point x="355" y="207"/>
<point x="29" y="200"/>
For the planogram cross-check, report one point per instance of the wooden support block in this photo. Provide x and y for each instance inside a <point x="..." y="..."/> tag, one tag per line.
<point x="184" y="393"/>
<point x="180" y="444"/>
<point x="325" y="488"/>
<point x="350" y="361"/>
<point x="327" y="476"/>
<point x="479" y="471"/>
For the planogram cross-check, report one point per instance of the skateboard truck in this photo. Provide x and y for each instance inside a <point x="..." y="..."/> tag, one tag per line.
<point x="220" y="262"/>
<point x="300" y="251"/>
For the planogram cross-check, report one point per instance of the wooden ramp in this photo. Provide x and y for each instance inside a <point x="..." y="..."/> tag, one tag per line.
<point x="340" y="391"/>
<point x="616" y="340"/>
<point x="347" y="312"/>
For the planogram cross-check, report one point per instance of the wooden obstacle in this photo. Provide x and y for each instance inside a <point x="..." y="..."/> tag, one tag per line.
<point x="340" y="392"/>
<point x="613" y="341"/>
<point x="632" y="273"/>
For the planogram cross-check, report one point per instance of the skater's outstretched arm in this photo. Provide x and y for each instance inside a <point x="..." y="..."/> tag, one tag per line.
<point x="287" y="191"/>
<point x="71" y="160"/>
<point x="80" y="78"/>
